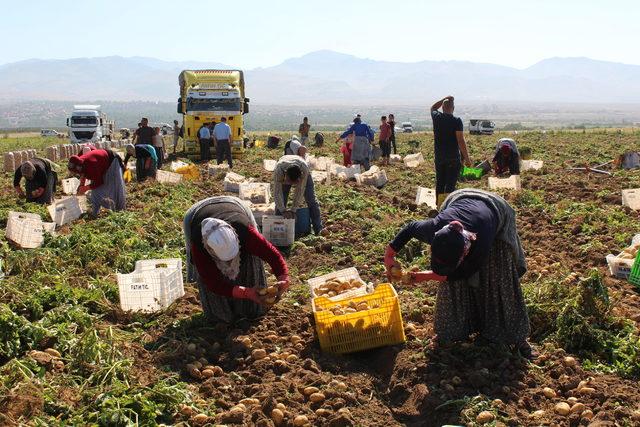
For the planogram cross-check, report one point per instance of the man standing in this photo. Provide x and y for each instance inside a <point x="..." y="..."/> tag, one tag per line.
<point x="293" y="170"/>
<point x="204" y="138"/>
<point x="303" y="130"/>
<point x="144" y="134"/>
<point x="363" y="136"/>
<point x="449" y="145"/>
<point x="392" y="125"/>
<point x="384" y="139"/>
<point x="176" y="135"/>
<point x="222" y="136"/>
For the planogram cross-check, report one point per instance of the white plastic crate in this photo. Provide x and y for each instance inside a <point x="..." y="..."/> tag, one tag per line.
<point x="320" y="177"/>
<point x="269" y="165"/>
<point x="511" y="183"/>
<point x="413" y="160"/>
<point x="320" y="163"/>
<point x="70" y="185"/>
<point x="345" y="173"/>
<point x="25" y="229"/>
<point x="165" y="177"/>
<point x="49" y="227"/>
<point x="535" y="165"/>
<point x="620" y="265"/>
<point x="218" y="170"/>
<point x="374" y="177"/>
<point x="255" y="192"/>
<point x="232" y="182"/>
<point x="395" y="158"/>
<point x="426" y="196"/>
<point x="64" y="211"/>
<point x="154" y="285"/>
<point x="631" y="198"/>
<point x="279" y="230"/>
<point x="10" y="162"/>
<point x="346" y="274"/>
<point x="177" y="164"/>
<point x="260" y="211"/>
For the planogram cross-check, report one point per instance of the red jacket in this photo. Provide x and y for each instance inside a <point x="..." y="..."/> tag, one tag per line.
<point x="95" y="164"/>
<point x="255" y="244"/>
<point x="385" y="132"/>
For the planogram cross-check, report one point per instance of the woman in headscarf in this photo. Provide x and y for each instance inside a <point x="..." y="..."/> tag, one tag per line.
<point x="40" y="180"/>
<point x="477" y="257"/>
<point x="146" y="160"/>
<point x="507" y="158"/>
<point x="362" y="137"/>
<point x="104" y="168"/>
<point x="225" y="254"/>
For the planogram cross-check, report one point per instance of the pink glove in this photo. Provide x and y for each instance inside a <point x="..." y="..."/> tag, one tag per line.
<point x="240" y="292"/>
<point x="83" y="189"/>
<point x="389" y="257"/>
<point x="425" y="276"/>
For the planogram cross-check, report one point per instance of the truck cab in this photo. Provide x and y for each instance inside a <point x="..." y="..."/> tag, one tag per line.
<point x="481" y="127"/>
<point x="89" y="124"/>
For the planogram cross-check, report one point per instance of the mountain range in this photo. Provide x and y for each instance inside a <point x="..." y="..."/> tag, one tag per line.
<point x="329" y="78"/>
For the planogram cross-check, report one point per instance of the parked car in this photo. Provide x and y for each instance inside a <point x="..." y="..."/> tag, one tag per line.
<point x="49" y="132"/>
<point x="407" y="127"/>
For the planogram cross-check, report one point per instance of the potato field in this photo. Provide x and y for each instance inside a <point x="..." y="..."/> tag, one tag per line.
<point x="70" y="356"/>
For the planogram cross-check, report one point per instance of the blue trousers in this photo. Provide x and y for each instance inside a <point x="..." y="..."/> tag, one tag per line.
<point x="312" y="203"/>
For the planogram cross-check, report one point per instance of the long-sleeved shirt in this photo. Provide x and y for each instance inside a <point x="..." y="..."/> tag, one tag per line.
<point x="283" y="164"/>
<point x="39" y="179"/>
<point x="474" y="214"/>
<point x="95" y="163"/>
<point x="251" y="242"/>
<point x="142" y="152"/>
<point x="385" y="132"/>
<point x="222" y="131"/>
<point x="360" y="129"/>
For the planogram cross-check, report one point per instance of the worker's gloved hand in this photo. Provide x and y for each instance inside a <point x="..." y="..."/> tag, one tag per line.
<point x="283" y="284"/>
<point x="289" y="214"/>
<point x="37" y="192"/>
<point x="426" y="276"/>
<point x="390" y="260"/>
<point x="82" y="189"/>
<point x="241" y="292"/>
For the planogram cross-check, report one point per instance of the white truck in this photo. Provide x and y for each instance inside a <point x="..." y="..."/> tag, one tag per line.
<point x="89" y="124"/>
<point x="481" y="127"/>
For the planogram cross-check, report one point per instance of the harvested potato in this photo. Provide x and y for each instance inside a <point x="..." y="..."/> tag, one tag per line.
<point x="317" y="397"/>
<point x="258" y="353"/>
<point x="549" y="392"/>
<point x="578" y="408"/>
<point x="53" y="352"/>
<point x="200" y="419"/>
<point x="307" y="391"/>
<point x="485" y="417"/>
<point x="300" y="420"/>
<point x="562" y="408"/>
<point x="277" y="416"/>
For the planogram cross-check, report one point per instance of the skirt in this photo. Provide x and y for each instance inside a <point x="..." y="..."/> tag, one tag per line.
<point x="142" y="173"/>
<point x="490" y="303"/>
<point x="218" y="308"/>
<point x="45" y="198"/>
<point x="111" y="194"/>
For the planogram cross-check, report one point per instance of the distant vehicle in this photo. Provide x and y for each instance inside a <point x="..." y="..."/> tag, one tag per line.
<point x="481" y="127"/>
<point x="89" y="124"/>
<point x="49" y="132"/>
<point x="165" y="128"/>
<point x="407" y="127"/>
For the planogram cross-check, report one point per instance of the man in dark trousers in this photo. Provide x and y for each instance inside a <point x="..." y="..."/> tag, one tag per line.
<point x="204" y="138"/>
<point x="449" y="147"/>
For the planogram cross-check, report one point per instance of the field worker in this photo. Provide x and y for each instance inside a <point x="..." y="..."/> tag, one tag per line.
<point x="204" y="139"/>
<point x="303" y="130"/>
<point x="392" y="125"/>
<point x="319" y="139"/>
<point x="294" y="171"/>
<point x="507" y="158"/>
<point x="294" y="147"/>
<point x="158" y="145"/>
<point x="384" y="139"/>
<point x="135" y="133"/>
<point x="449" y="144"/>
<point x="477" y="257"/>
<point x="346" y="149"/>
<point x="146" y="160"/>
<point x="40" y="180"/>
<point x="227" y="251"/>
<point x="104" y="168"/>
<point x="176" y="135"/>
<point x="363" y="136"/>
<point x="222" y="135"/>
<point x="144" y="134"/>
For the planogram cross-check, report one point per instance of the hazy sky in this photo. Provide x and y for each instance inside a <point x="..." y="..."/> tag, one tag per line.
<point x="251" y="33"/>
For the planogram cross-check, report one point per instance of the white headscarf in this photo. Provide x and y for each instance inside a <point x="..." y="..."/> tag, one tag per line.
<point x="221" y="242"/>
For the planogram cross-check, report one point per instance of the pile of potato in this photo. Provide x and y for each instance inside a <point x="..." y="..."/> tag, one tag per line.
<point x="630" y="252"/>
<point x="351" y="307"/>
<point x="270" y="294"/>
<point x="334" y="287"/>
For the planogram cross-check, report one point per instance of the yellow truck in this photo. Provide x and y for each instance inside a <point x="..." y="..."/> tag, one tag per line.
<point x="206" y="96"/>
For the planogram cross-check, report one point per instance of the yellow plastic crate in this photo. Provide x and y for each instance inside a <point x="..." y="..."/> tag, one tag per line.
<point x="362" y="330"/>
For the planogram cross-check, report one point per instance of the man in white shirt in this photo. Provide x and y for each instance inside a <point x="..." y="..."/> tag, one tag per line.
<point x="204" y="137"/>
<point x="222" y="137"/>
